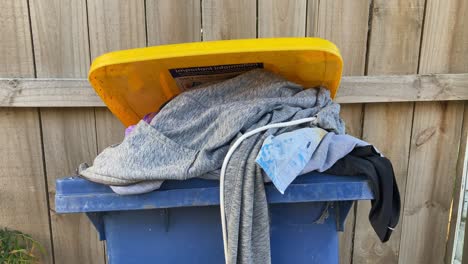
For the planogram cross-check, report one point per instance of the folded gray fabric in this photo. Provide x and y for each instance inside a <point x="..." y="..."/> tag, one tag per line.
<point x="191" y="135"/>
<point x="149" y="186"/>
<point x="332" y="148"/>
<point x="137" y="188"/>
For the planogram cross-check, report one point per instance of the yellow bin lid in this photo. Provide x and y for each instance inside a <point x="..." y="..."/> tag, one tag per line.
<point x="135" y="82"/>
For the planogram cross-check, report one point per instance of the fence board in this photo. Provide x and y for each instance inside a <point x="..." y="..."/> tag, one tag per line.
<point x="432" y="168"/>
<point x="166" y="28"/>
<point x="109" y="130"/>
<point x="48" y="92"/>
<point x="60" y="36"/>
<point x="388" y="127"/>
<point x="431" y="175"/>
<point x="444" y="46"/>
<point x="281" y="18"/>
<point x="23" y="198"/>
<point x="352" y="114"/>
<point x="115" y="25"/>
<point x="395" y="32"/>
<point x="61" y="49"/>
<point x="226" y="19"/>
<point x="455" y="234"/>
<point x="23" y="195"/>
<point x="16" y="58"/>
<point x="395" y="36"/>
<point x="345" y="24"/>
<point x="69" y="139"/>
<point x="401" y="88"/>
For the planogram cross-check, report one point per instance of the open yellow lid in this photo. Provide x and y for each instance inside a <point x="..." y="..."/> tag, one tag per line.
<point x="135" y="82"/>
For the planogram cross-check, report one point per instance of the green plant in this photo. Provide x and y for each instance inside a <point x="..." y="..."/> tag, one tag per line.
<point x="17" y="247"/>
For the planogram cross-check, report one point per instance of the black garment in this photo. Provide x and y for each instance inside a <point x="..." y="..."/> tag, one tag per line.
<point x="385" y="210"/>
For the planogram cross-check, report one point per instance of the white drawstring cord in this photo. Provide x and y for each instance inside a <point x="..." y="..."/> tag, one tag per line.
<point x="228" y="157"/>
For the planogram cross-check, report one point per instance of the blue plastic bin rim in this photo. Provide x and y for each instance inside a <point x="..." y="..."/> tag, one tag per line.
<point x="75" y="194"/>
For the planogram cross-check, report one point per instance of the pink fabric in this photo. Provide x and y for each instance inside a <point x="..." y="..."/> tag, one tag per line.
<point x="147" y="118"/>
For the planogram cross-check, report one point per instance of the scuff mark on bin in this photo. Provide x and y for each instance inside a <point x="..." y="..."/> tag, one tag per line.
<point x="324" y="216"/>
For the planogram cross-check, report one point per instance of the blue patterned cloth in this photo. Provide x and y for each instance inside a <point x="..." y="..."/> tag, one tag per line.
<point x="288" y="155"/>
<point x="283" y="157"/>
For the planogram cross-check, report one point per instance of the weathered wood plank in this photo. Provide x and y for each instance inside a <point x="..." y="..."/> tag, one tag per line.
<point x="312" y="19"/>
<point x="352" y="114"/>
<point x="115" y="25"/>
<point x="446" y="20"/>
<point x="109" y="130"/>
<point x="60" y="34"/>
<point x="388" y="127"/>
<point x="48" y="92"/>
<point x="395" y="36"/>
<point x="16" y="58"/>
<point x="465" y="242"/>
<point x="281" y="18"/>
<point x="403" y="88"/>
<point x="393" y="48"/>
<point x="61" y="49"/>
<point x="345" y="24"/>
<point x="23" y="191"/>
<point x="23" y="198"/>
<point x="69" y="139"/>
<point x="226" y="19"/>
<point x="435" y="140"/>
<point x="164" y="27"/>
<point x="444" y="45"/>
<point x="455" y="235"/>
<point x="431" y="175"/>
<point x="122" y="31"/>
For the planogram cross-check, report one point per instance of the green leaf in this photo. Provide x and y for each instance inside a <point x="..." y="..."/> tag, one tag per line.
<point x="17" y="247"/>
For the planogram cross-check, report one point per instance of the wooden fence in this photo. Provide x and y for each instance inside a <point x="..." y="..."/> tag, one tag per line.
<point x="50" y="119"/>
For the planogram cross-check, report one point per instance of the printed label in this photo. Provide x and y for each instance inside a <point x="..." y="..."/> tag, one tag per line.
<point x="187" y="78"/>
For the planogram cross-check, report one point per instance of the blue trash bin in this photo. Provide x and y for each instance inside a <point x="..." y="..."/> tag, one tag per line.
<point x="180" y="222"/>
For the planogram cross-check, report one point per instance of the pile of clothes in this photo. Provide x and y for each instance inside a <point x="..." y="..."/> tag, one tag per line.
<point x="254" y="128"/>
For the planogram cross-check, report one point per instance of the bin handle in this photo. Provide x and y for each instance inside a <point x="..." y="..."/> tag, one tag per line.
<point x="231" y="150"/>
